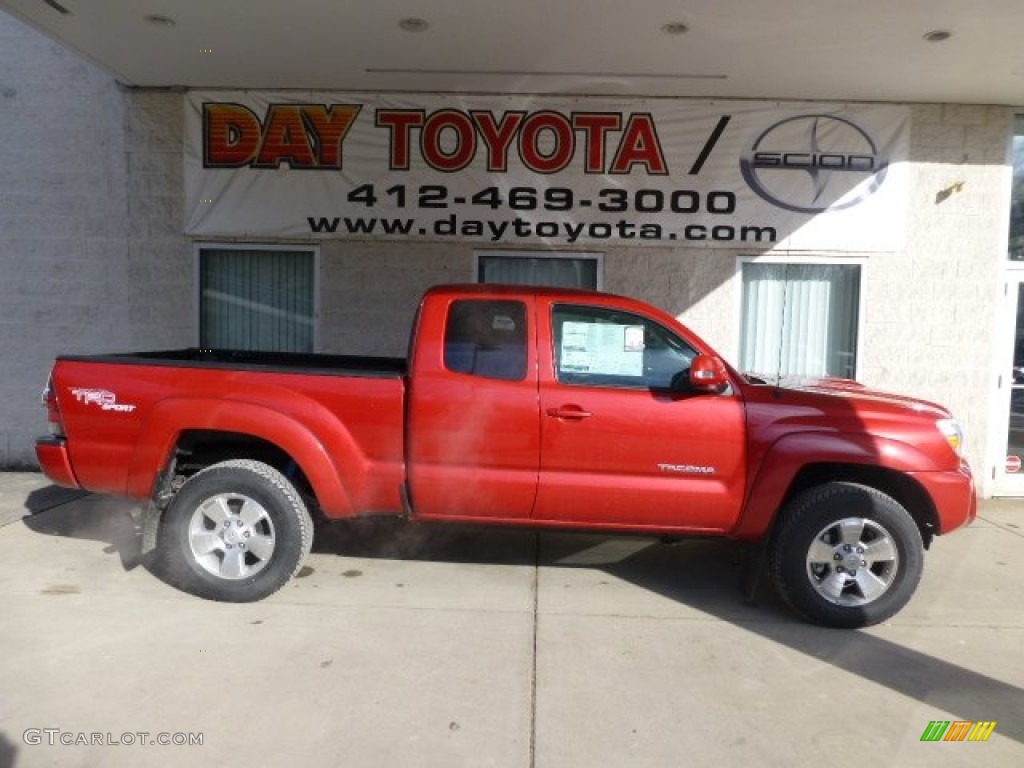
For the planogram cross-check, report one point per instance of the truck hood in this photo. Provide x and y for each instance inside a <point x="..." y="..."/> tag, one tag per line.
<point x="887" y="429"/>
<point x="850" y="390"/>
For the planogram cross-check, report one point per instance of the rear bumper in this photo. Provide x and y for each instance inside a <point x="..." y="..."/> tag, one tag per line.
<point x="954" y="496"/>
<point x="52" y="453"/>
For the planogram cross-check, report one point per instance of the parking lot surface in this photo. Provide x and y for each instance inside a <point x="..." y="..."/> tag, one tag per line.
<point x="415" y="645"/>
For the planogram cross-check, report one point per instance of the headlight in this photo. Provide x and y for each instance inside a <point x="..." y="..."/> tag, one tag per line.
<point x="953" y="433"/>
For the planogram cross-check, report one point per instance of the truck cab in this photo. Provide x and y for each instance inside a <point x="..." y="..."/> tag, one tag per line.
<point x="565" y="409"/>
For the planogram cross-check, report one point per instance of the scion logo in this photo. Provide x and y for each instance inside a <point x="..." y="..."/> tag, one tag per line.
<point x="814" y="163"/>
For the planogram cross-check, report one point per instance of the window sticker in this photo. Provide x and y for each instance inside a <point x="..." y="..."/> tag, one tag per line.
<point x="602" y="348"/>
<point x="634" y="338"/>
<point x="503" y="323"/>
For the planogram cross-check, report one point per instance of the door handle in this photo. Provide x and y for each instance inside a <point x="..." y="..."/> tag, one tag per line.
<point x="573" y="412"/>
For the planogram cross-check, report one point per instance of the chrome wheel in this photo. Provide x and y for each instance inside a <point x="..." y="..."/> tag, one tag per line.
<point x="231" y="536"/>
<point x="853" y="561"/>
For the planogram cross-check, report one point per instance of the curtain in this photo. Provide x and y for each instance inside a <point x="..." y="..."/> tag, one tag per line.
<point x="256" y="300"/>
<point x="800" y="319"/>
<point x="527" y="270"/>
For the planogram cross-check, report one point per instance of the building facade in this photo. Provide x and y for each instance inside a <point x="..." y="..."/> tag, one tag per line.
<point x="124" y="229"/>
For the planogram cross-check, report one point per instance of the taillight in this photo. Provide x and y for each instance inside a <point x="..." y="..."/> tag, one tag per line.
<point x="49" y="398"/>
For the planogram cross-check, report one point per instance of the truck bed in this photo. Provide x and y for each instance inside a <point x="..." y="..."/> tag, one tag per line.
<point x="285" y="362"/>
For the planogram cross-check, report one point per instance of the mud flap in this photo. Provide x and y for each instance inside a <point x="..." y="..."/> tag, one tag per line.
<point x="147" y="525"/>
<point x="754" y="565"/>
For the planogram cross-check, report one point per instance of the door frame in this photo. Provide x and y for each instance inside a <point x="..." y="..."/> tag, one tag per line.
<point x="1005" y="483"/>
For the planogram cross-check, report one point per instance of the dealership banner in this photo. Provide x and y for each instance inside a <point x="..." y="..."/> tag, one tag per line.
<point x="565" y="171"/>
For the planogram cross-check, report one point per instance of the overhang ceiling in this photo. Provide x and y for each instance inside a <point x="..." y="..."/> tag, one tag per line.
<point x="870" y="50"/>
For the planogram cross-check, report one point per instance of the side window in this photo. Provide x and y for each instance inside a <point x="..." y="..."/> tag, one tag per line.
<point x="486" y="338"/>
<point x="595" y="346"/>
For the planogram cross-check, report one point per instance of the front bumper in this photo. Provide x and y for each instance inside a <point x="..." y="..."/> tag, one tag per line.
<point x="954" y="496"/>
<point x="52" y="453"/>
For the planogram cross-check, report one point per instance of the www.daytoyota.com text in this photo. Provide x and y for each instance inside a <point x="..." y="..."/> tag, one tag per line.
<point x="686" y="204"/>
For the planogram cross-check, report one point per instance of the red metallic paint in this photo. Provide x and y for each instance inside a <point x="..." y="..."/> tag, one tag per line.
<point x="53" y="457"/>
<point x="535" y="451"/>
<point x="473" y="443"/>
<point x="641" y="459"/>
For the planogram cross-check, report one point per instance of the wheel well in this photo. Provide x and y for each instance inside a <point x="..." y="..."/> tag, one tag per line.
<point x="198" y="449"/>
<point x="908" y="493"/>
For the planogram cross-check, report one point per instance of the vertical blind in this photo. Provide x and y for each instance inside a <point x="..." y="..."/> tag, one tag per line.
<point x="800" y="319"/>
<point x="256" y="299"/>
<point x="527" y="270"/>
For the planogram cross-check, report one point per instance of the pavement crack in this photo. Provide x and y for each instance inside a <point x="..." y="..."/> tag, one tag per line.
<point x="1002" y="526"/>
<point x="533" y="668"/>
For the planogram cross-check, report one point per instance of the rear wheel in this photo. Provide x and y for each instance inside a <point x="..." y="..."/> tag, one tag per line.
<point x="846" y="555"/>
<point x="236" y="532"/>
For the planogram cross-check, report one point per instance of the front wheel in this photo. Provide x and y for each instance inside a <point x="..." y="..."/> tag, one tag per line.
<point x="846" y="555"/>
<point x="236" y="532"/>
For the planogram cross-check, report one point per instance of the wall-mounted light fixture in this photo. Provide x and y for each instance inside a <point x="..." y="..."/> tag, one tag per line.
<point x="160" y="21"/>
<point x="412" y="24"/>
<point x="944" y="194"/>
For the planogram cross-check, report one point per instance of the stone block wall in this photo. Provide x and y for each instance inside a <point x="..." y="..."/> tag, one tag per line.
<point x="931" y="311"/>
<point x="92" y="256"/>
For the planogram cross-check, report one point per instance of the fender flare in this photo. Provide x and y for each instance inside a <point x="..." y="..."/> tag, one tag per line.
<point x="322" y="460"/>
<point x="792" y="453"/>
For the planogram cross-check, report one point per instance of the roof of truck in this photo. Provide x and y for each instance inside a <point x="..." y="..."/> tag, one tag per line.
<point x="519" y="290"/>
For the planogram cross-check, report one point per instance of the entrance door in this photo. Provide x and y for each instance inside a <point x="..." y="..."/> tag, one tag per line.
<point x="1009" y="474"/>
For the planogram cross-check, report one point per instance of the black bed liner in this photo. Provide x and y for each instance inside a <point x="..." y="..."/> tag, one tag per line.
<point x="273" y="362"/>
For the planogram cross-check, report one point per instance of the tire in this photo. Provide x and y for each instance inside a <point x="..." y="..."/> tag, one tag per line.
<point x="236" y="532"/>
<point x="846" y="555"/>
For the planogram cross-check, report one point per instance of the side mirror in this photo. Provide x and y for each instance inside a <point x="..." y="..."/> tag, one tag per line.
<point x="708" y="374"/>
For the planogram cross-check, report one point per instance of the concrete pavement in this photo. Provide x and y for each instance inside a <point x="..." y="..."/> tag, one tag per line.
<point x="445" y="646"/>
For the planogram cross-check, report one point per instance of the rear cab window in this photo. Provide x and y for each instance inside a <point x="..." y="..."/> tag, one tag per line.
<point x="486" y="338"/>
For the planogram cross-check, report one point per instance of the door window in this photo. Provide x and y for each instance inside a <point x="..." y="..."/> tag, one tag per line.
<point x="1015" y="426"/>
<point x="597" y="346"/>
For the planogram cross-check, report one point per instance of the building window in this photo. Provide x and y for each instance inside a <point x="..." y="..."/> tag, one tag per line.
<point x="1016" y="250"/>
<point x="557" y="270"/>
<point x="800" y="319"/>
<point x="254" y="298"/>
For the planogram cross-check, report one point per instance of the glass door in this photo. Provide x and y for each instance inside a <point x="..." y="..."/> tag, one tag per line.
<point x="1009" y="472"/>
<point x="1008" y="475"/>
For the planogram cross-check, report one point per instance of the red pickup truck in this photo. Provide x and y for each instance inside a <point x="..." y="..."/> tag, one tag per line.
<point x="517" y="406"/>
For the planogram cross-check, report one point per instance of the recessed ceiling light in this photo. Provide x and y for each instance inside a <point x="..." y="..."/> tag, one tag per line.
<point x="675" y="28"/>
<point x="160" y="21"/>
<point x="937" y="35"/>
<point x="413" y="25"/>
